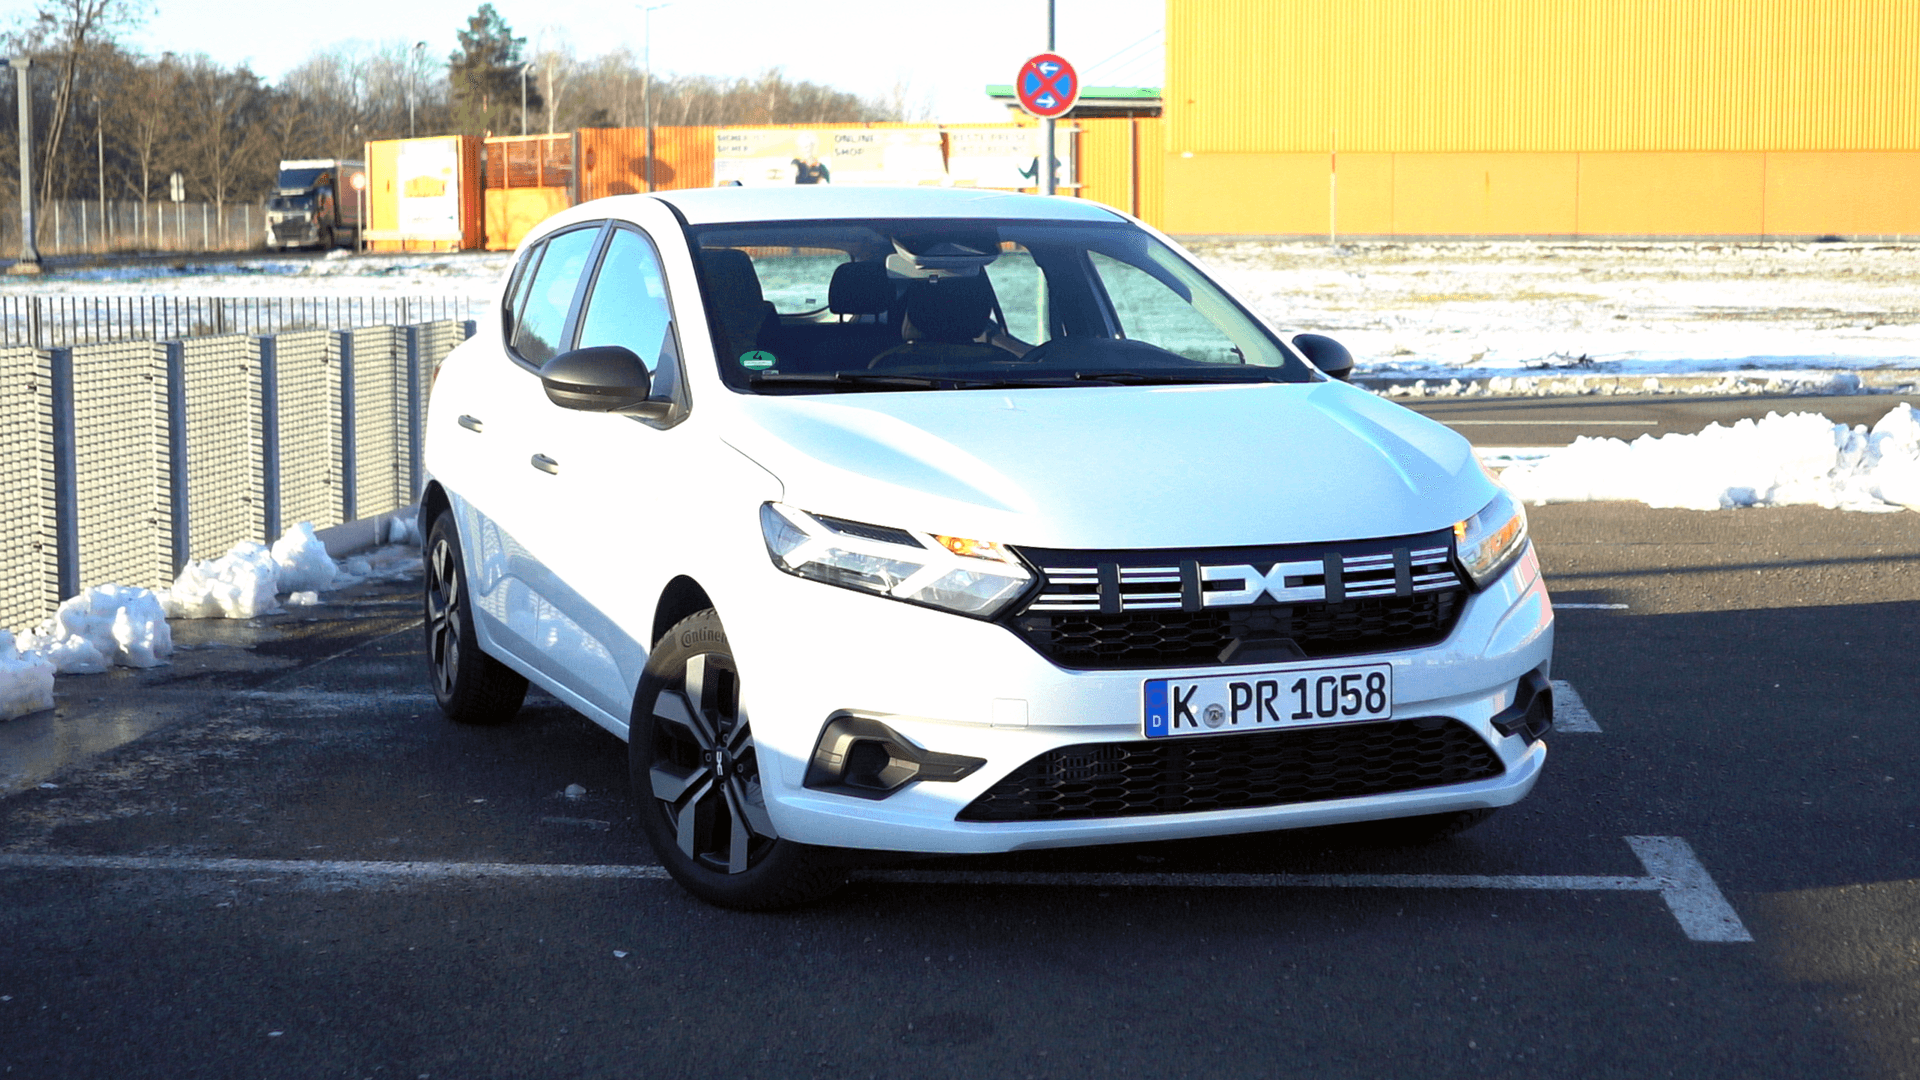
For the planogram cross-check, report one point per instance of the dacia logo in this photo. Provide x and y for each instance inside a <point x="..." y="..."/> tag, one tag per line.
<point x="1250" y="584"/>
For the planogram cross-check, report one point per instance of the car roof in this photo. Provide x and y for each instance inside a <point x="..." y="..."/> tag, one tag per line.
<point x="801" y="202"/>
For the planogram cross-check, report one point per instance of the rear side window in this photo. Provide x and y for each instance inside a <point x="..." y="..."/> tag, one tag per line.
<point x="536" y="337"/>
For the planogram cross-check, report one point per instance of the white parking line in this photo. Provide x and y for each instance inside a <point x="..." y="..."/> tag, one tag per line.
<point x="1569" y="712"/>
<point x="1559" y="606"/>
<point x="1672" y="871"/>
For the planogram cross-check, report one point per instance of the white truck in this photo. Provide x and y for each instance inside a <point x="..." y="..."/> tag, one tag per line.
<point x="315" y="204"/>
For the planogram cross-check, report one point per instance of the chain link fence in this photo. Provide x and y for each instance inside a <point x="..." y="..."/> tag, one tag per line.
<point x="91" y="227"/>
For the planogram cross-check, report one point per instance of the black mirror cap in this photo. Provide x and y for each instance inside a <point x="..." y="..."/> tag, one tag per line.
<point x="1328" y="355"/>
<point x="602" y="378"/>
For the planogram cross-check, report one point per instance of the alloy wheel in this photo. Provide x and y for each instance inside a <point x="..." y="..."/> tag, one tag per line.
<point x="705" y="774"/>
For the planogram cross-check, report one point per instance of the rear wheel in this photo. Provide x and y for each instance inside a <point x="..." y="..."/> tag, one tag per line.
<point x="696" y="775"/>
<point x="471" y="687"/>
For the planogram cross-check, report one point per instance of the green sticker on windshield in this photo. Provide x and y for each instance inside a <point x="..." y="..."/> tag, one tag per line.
<point x="756" y="360"/>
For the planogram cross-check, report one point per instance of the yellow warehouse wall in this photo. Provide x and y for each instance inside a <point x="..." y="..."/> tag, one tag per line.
<point x="1595" y="194"/>
<point x="1686" y="194"/>
<point x="1275" y="76"/>
<point x="1487" y="194"/>
<point x="1882" y="194"/>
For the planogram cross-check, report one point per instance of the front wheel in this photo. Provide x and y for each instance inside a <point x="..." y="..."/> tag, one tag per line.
<point x="696" y="775"/>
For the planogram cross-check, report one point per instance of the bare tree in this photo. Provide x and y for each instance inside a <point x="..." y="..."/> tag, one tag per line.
<point x="68" y="27"/>
<point x="226" y="144"/>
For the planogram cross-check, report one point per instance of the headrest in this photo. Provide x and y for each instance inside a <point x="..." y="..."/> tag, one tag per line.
<point x="731" y="280"/>
<point x="860" y="288"/>
<point x="953" y="310"/>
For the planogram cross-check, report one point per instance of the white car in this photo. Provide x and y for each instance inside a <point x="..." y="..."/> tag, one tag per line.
<point x="945" y="521"/>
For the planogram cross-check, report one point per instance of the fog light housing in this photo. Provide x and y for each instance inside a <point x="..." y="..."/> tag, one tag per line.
<point x="869" y="760"/>
<point x="1531" y="714"/>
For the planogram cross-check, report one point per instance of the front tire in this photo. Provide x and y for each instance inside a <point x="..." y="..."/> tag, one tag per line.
<point x="696" y="775"/>
<point x="471" y="687"/>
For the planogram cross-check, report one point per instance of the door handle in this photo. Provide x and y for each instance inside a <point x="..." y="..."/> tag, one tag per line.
<point x="471" y="423"/>
<point x="546" y="464"/>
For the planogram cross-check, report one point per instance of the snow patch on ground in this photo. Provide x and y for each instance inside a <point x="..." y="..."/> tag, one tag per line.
<point x="1802" y="383"/>
<point x="117" y="625"/>
<point x="1800" y="459"/>
<point x="1476" y="309"/>
<point x="472" y="275"/>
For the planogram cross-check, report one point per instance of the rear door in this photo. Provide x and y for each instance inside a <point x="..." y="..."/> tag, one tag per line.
<point x="499" y="403"/>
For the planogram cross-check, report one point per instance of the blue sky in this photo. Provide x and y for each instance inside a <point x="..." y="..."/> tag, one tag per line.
<point x="948" y="52"/>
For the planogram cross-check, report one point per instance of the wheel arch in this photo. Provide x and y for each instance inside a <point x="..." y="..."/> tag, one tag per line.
<point x="682" y="597"/>
<point x="433" y="503"/>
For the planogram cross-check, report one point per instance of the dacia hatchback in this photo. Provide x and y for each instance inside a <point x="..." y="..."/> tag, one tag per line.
<point x="947" y="521"/>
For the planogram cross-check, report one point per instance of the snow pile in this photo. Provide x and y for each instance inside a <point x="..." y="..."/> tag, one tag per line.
<point x="238" y="585"/>
<point x="26" y="680"/>
<point x="1801" y="459"/>
<point x="243" y="583"/>
<point x="303" y="562"/>
<point x="104" y="626"/>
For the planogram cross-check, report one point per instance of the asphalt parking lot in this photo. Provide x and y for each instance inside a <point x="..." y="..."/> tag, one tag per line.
<point x="274" y="858"/>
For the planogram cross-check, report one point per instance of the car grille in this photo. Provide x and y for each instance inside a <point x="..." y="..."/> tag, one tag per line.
<point x="1225" y="772"/>
<point x="1140" y="609"/>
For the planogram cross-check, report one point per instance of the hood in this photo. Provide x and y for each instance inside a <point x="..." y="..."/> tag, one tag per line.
<point x="1119" y="467"/>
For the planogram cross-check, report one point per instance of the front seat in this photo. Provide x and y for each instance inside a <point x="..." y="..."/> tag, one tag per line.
<point x="943" y="317"/>
<point x="739" y="310"/>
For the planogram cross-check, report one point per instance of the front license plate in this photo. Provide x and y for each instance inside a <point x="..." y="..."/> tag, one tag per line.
<point x="1296" y="697"/>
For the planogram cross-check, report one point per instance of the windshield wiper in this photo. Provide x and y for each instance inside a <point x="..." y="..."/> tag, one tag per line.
<point x="1153" y="378"/>
<point x="878" y="380"/>
<point x="852" y="380"/>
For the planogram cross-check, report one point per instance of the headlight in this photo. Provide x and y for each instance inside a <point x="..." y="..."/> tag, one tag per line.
<point x="1492" y="538"/>
<point x="971" y="577"/>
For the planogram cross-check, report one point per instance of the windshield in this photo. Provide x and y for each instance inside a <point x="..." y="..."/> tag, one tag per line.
<point x="299" y="178"/>
<point x="290" y="202"/>
<point x="823" y="307"/>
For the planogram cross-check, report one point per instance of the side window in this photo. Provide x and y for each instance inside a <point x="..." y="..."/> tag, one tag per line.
<point x="1149" y="311"/>
<point x="1022" y="292"/>
<point x="517" y="289"/>
<point x="795" y="280"/>
<point x="536" y="338"/>
<point x="629" y="302"/>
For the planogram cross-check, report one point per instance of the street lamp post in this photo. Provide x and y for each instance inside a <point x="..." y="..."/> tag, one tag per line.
<point x="525" y="70"/>
<point x="646" y="80"/>
<point x="413" y="76"/>
<point x="29" y="261"/>
<point x="100" y="149"/>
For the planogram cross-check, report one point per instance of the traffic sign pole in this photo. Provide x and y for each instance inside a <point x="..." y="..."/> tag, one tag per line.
<point x="1047" y="182"/>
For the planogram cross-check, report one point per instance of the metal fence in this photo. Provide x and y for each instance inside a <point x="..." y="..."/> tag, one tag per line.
<point x="120" y="462"/>
<point x="90" y="227"/>
<point x="53" y="321"/>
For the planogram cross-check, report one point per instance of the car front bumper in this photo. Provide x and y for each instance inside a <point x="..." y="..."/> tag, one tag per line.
<point x="959" y="686"/>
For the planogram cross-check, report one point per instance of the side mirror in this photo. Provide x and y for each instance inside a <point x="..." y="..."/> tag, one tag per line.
<point x="602" y="378"/>
<point x="1327" y="354"/>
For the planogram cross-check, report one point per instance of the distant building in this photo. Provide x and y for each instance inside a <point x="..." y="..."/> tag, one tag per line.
<point x="1722" y="118"/>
